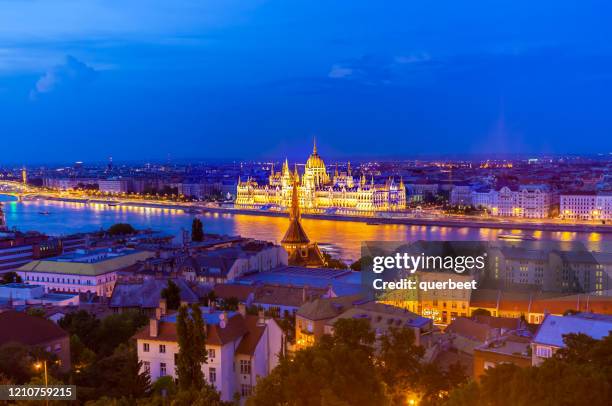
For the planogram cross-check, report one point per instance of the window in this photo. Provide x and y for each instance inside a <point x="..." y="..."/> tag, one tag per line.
<point x="146" y="367"/>
<point x="211" y="353"/>
<point x="162" y="348"/>
<point x="245" y="389"/>
<point x="245" y="366"/>
<point x="543" y="352"/>
<point x="162" y="369"/>
<point x="212" y="375"/>
<point x="145" y="347"/>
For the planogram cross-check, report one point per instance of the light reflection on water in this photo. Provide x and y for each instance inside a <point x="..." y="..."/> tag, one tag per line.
<point x="343" y="237"/>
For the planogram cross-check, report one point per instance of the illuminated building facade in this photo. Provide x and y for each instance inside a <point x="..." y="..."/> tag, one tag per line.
<point x="586" y="206"/>
<point x="320" y="192"/>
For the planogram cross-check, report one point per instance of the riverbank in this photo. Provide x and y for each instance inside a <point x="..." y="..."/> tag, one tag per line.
<point x="415" y="221"/>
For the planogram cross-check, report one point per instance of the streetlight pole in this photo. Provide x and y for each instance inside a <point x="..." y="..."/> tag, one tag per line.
<point x="44" y="365"/>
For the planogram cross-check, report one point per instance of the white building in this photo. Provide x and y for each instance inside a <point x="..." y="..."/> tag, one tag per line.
<point x="114" y="186"/>
<point x="549" y="338"/>
<point x="530" y="201"/>
<point x="461" y="195"/>
<point x="585" y="206"/>
<point x="81" y="271"/>
<point x="241" y="349"/>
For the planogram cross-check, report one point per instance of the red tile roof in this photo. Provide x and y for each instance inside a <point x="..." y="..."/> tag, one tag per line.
<point x="29" y="330"/>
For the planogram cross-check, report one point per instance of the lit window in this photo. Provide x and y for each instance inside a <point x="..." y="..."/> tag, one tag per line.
<point x="543" y="352"/>
<point x="245" y="366"/>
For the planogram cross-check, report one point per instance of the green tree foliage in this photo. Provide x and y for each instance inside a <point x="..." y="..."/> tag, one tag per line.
<point x="192" y="348"/>
<point x="121" y="229"/>
<point x="10" y="277"/>
<point x="16" y="363"/>
<point x="36" y="312"/>
<point x="579" y="374"/>
<point x="172" y="294"/>
<point x="334" y="262"/>
<point x="338" y="370"/>
<point x="117" y="375"/>
<point x="197" y="230"/>
<point x="82" y="324"/>
<point x="362" y="263"/>
<point x="399" y="362"/>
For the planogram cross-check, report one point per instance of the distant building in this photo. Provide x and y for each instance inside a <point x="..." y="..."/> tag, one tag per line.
<point x="241" y="349"/>
<point x="21" y="294"/>
<point x="318" y="192"/>
<point x="36" y="332"/>
<point x="94" y="272"/>
<point x="17" y="249"/>
<point x="114" y="186"/>
<point x="461" y="195"/>
<point x="549" y="338"/>
<point x="145" y="295"/>
<point x="528" y="201"/>
<point x="585" y="206"/>
<point x="226" y="264"/>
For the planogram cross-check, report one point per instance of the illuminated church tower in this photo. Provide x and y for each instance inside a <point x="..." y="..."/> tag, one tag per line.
<point x="301" y="251"/>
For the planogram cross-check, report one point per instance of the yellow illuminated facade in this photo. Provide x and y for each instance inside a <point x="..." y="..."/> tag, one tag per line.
<point x="318" y="192"/>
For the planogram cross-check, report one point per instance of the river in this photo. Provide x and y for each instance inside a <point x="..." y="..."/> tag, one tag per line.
<point x="342" y="238"/>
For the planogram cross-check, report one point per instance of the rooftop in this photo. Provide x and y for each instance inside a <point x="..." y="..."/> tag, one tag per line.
<point x="91" y="263"/>
<point x="29" y="330"/>
<point x="553" y="328"/>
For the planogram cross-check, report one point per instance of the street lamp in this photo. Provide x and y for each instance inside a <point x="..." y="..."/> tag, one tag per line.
<point x="40" y="365"/>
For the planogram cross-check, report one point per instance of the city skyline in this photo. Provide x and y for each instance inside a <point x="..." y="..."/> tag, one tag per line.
<point x="224" y="80"/>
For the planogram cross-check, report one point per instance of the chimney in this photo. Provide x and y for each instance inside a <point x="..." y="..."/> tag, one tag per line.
<point x="163" y="305"/>
<point x="212" y="305"/>
<point x="223" y="319"/>
<point x="158" y="313"/>
<point x="261" y="319"/>
<point x="304" y="293"/>
<point x="153" y="327"/>
<point x="242" y="309"/>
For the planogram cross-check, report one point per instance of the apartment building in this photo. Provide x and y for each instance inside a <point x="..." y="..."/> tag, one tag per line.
<point x="241" y="349"/>
<point x="585" y="206"/>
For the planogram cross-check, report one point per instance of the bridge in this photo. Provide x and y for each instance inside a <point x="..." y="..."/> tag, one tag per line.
<point x="18" y="189"/>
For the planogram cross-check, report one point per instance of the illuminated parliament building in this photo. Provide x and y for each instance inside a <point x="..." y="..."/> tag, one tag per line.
<point x="319" y="193"/>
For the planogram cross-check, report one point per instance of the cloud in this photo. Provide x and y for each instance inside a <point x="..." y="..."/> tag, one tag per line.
<point x="379" y="69"/>
<point x="338" y="71"/>
<point x="71" y="73"/>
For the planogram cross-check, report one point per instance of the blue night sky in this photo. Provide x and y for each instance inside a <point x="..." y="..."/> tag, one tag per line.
<point x="144" y="80"/>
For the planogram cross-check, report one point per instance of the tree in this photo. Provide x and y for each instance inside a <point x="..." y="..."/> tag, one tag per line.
<point x="16" y="362"/>
<point x="334" y="262"/>
<point x="117" y="375"/>
<point x="36" y="312"/>
<point x="192" y="348"/>
<point x="172" y="294"/>
<point x="579" y="373"/>
<point x="362" y="263"/>
<point x="337" y="370"/>
<point x="121" y="229"/>
<point x="400" y="362"/>
<point x="10" y="277"/>
<point x="197" y="230"/>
